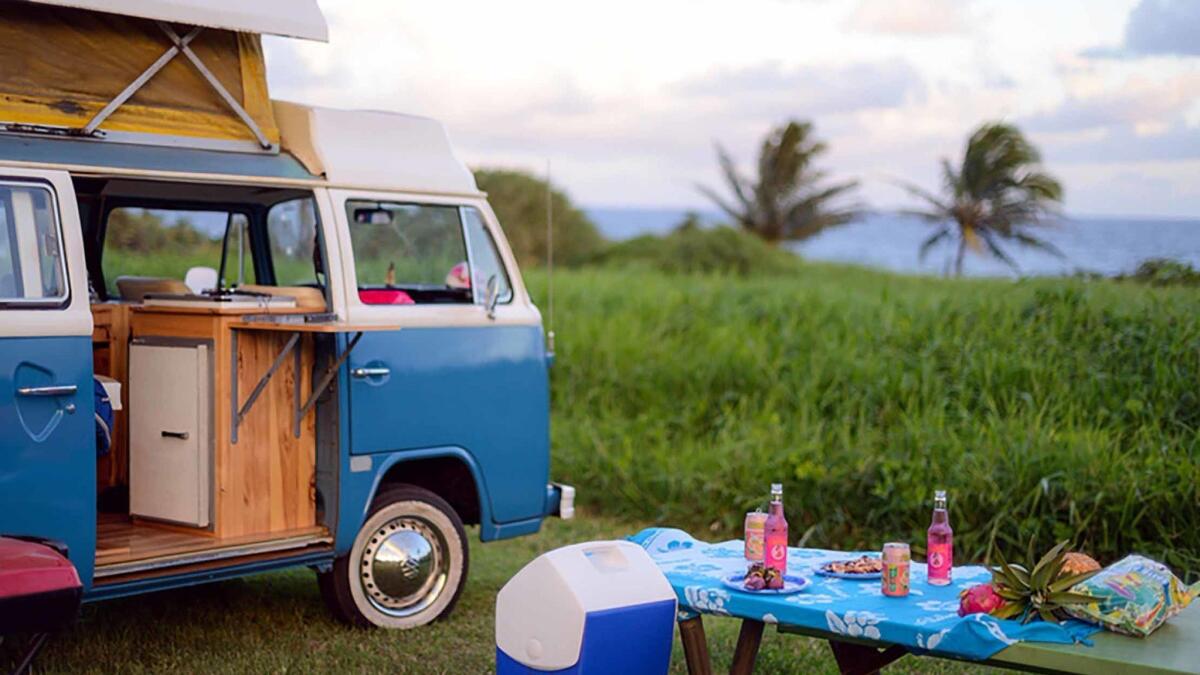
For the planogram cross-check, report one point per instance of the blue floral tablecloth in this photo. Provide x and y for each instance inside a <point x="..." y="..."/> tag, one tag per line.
<point x="925" y="621"/>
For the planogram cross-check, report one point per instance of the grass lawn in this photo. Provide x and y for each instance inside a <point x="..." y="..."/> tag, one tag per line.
<point x="276" y="623"/>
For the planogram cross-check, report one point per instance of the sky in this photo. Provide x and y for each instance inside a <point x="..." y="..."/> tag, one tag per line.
<point x="627" y="99"/>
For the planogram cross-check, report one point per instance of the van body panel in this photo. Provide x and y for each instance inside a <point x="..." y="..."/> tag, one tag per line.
<point x="358" y="489"/>
<point x="483" y="389"/>
<point x="48" y="451"/>
<point x="48" y="444"/>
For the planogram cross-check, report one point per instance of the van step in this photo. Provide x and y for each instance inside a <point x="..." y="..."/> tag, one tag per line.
<point x="212" y="555"/>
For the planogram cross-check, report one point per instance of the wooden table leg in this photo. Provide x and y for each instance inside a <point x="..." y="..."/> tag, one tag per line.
<point x="746" y="653"/>
<point x="860" y="660"/>
<point x="695" y="646"/>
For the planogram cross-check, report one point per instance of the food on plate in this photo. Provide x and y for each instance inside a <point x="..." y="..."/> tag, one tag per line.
<point x="759" y="577"/>
<point x="862" y="565"/>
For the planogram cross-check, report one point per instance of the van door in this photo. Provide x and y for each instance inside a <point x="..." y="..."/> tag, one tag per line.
<point x="448" y="375"/>
<point x="47" y="444"/>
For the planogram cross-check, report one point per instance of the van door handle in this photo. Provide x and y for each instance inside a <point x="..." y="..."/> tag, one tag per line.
<point x="52" y="390"/>
<point x="363" y="373"/>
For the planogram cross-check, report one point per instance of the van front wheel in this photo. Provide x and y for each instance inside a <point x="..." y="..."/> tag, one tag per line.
<point x="408" y="564"/>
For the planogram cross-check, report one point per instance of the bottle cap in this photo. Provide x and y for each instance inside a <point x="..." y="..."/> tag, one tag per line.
<point x="776" y="487"/>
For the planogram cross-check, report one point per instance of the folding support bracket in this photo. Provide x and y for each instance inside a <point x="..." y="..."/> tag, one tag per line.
<point x="239" y="411"/>
<point x="320" y="387"/>
<point x="179" y="45"/>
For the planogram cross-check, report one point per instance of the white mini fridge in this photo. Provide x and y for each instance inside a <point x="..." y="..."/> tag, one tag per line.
<point x="170" y="430"/>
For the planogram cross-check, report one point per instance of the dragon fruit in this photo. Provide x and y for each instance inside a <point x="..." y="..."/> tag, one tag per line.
<point x="979" y="598"/>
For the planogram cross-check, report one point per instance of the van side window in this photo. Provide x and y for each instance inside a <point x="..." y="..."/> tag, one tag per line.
<point x="292" y="232"/>
<point x="408" y="253"/>
<point x="165" y="243"/>
<point x="485" y="259"/>
<point x="31" y="254"/>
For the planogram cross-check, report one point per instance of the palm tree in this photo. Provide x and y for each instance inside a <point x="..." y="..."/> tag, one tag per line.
<point x="787" y="202"/>
<point x="998" y="193"/>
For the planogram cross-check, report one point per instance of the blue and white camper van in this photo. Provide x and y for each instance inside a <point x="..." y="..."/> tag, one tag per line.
<point x="312" y="335"/>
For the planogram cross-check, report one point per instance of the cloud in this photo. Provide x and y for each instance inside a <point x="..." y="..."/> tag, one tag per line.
<point x="1138" y="102"/>
<point x="1124" y="144"/>
<point x="907" y="17"/>
<point x="1155" y="28"/>
<point x="775" y="89"/>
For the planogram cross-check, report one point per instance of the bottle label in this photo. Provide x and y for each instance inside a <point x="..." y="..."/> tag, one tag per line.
<point x="776" y="553"/>
<point x="940" y="561"/>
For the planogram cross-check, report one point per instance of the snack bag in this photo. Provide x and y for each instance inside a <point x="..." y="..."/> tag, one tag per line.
<point x="1134" y="596"/>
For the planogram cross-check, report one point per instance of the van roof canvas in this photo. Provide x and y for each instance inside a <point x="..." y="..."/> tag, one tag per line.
<point x="287" y="18"/>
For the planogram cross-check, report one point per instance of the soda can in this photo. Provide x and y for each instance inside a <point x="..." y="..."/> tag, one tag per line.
<point x="755" y="536"/>
<point x="896" y="562"/>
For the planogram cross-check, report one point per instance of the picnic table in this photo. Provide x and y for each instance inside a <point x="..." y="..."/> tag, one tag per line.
<point x="864" y="638"/>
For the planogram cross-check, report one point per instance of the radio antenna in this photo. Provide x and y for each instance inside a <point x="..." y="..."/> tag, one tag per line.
<point x="549" y="263"/>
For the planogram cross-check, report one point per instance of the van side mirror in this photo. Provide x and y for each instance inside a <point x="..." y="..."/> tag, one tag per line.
<point x="491" y="296"/>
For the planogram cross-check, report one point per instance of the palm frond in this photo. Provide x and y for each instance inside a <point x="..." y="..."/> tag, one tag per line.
<point x="738" y="216"/>
<point x="929" y="243"/>
<point x="733" y="177"/>
<point x="993" y="247"/>
<point x="1041" y="244"/>
<point x="924" y="195"/>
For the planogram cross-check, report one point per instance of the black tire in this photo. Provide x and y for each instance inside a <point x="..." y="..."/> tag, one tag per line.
<point x="386" y="559"/>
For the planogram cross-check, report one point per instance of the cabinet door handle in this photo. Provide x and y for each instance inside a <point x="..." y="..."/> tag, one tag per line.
<point x="52" y="390"/>
<point x="181" y="435"/>
<point x="363" y="373"/>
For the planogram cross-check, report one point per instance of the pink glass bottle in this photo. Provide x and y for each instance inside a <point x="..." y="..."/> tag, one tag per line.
<point x="776" y="536"/>
<point x="940" y="543"/>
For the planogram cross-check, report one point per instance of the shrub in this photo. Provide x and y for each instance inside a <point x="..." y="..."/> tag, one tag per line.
<point x="519" y="200"/>
<point x="1165" y="272"/>
<point x="720" y="250"/>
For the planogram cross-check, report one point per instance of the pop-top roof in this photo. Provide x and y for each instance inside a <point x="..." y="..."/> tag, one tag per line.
<point x="287" y="18"/>
<point x="378" y="150"/>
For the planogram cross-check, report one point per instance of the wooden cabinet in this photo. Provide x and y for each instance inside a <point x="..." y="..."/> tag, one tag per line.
<point x="264" y="483"/>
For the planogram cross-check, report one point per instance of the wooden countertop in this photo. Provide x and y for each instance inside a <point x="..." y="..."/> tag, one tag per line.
<point x="211" y="310"/>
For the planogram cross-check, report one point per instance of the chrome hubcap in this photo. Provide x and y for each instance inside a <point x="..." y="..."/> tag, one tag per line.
<point x="404" y="566"/>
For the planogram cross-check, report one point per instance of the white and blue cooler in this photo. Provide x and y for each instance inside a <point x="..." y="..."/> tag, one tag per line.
<point x="599" y="607"/>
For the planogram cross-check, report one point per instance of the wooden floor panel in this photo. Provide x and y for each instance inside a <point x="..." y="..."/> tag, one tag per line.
<point x="119" y="540"/>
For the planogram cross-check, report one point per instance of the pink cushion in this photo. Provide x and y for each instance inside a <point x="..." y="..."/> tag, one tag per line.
<point x="384" y="296"/>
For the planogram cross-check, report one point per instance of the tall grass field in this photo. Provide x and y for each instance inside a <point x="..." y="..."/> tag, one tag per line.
<point x="1049" y="409"/>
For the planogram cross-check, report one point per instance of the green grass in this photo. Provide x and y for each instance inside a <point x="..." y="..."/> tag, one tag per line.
<point x="277" y="623"/>
<point x="1049" y="409"/>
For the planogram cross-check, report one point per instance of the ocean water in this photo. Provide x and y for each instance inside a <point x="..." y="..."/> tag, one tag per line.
<point x="1103" y="245"/>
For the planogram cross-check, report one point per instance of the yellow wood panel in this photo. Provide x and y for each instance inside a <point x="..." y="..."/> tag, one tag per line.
<point x="271" y="472"/>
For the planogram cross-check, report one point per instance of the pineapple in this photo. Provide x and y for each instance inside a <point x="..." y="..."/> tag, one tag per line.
<point x="1042" y="592"/>
<point x="1078" y="563"/>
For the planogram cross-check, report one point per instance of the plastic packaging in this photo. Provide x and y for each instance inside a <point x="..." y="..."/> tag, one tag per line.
<point x="1134" y="596"/>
